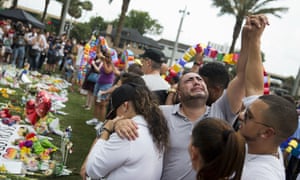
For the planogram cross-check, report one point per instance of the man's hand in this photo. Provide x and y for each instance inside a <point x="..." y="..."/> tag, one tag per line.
<point x="125" y="128"/>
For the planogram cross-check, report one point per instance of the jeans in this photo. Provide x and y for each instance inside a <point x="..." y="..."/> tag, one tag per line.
<point x="18" y="56"/>
<point x="34" y="61"/>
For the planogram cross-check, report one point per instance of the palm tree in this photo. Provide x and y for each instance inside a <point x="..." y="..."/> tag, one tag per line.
<point x="124" y="10"/>
<point x="76" y="7"/>
<point x="242" y="8"/>
<point x="45" y="10"/>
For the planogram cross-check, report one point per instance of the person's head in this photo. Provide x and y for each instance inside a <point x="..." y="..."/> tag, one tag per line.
<point x="131" y="99"/>
<point x="135" y="68"/>
<point x="151" y="60"/>
<point x="270" y="118"/>
<point x="164" y="69"/>
<point x="191" y="87"/>
<point x="130" y="77"/>
<point x="216" y="78"/>
<point x="216" y="150"/>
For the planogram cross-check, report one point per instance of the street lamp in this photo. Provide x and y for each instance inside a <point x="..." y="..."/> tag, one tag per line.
<point x="184" y="12"/>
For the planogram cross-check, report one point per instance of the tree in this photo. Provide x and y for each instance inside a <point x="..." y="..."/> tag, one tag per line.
<point x="242" y="8"/>
<point x="14" y="4"/>
<point x="142" y="22"/>
<point x="124" y="10"/>
<point x="75" y="8"/>
<point x="81" y="31"/>
<point x="97" y="23"/>
<point x="45" y="10"/>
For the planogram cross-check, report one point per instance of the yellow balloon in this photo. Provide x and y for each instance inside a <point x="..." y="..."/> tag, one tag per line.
<point x="187" y="57"/>
<point x="192" y="51"/>
<point x="176" y="67"/>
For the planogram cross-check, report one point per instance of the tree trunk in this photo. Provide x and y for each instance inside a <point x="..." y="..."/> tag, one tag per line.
<point x="14" y="4"/>
<point x="236" y="32"/>
<point x="61" y="15"/>
<point x="45" y="10"/>
<point x="125" y="6"/>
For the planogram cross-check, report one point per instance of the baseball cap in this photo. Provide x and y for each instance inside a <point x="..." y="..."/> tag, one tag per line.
<point x="153" y="54"/>
<point x="121" y="94"/>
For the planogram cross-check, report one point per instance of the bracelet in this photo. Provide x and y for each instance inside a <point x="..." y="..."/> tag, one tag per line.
<point x="172" y="90"/>
<point x="107" y="130"/>
<point x="197" y="63"/>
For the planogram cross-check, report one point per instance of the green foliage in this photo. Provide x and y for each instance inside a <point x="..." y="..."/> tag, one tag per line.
<point x="81" y="31"/>
<point x="76" y="7"/>
<point x="97" y="23"/>
<point x="142" y="22"/>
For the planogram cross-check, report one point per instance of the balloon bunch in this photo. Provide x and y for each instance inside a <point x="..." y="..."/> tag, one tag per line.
<point x="90" y="49"/>
<point x="126" y="59"/>
<point x="292" y="147"/>
<point x="179" y="65"/>
<point x="108" y="50"/>
<point x="208" y="52"/>
<point x="38" y="108"/>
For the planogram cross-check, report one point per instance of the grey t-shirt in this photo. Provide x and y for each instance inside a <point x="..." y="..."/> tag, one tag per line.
<point x="177" y="164"/>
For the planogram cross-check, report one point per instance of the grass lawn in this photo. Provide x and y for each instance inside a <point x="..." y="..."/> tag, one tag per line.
<point x="82" y="134"/>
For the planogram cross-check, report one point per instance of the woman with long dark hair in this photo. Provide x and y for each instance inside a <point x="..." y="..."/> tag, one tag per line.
<point x="116" y="158"/>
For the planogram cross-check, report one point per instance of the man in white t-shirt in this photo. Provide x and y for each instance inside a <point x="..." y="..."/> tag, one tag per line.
<point x="268" y="119"/>
<point x="152" y="61"/>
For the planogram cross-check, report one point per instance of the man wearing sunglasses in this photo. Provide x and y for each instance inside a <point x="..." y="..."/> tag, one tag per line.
<point x="266" y="122"/>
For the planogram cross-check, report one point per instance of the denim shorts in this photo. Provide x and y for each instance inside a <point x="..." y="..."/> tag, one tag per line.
<point x="102" y="87"/>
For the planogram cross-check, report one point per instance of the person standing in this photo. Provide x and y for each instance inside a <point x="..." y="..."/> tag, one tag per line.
<point x="193" y="94"/>
<point x="151" y="66"/>
<point x="115" y="158"/>
<point x="105" y="81"/>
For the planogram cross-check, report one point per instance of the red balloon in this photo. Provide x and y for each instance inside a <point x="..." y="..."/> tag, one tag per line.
<point x="42" y="104"/>
<point x="172" y="73"/>
<point x="30" y="111"/>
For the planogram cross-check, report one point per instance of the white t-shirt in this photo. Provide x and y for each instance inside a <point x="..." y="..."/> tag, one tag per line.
<point x="266" y="167"/>
<point x="119" y="158"/>
<point x="155" y="82"/>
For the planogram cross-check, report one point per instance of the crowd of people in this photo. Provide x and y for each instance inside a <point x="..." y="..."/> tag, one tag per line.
<point x="217" y="127"/>
<point x="45" y="52"/>
<point x="201" y="125"/>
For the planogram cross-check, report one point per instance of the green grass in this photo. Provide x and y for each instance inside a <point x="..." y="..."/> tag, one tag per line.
<point x="82" y="134"/>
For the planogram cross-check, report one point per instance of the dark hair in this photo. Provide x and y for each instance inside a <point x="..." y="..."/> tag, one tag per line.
<point x="145" y="104"/>
<point x="222" y="149"/>
<point x="129" y="77"/>
<point x="135" y="68"/>
<point x="216" y="73"/>
<point x="281" y="114"/>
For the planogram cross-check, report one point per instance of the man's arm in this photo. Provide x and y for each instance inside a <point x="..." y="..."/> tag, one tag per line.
<point x="254" y="71"/>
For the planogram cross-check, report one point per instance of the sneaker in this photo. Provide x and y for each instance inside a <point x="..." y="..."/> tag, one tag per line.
<point x="87" y="108"/>
<point x="92" y="122"/>
<point x="98" y="126"/>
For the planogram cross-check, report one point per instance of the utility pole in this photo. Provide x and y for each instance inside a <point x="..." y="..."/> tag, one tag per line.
<point x="296" y="84"/>
<point x="184" y="12"/>
<point x="63" y="18"/>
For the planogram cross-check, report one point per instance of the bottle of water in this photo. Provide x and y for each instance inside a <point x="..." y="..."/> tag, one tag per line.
<point x="99" y="96"/>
